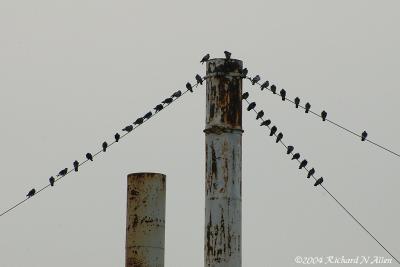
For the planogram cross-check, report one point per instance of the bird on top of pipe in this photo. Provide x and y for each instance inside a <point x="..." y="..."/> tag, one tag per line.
<point x="158" y="108"/>
<point x="273" y="130"/>
<point x="189" y="87"/>
<point x="31" y="193"/>
<point x="310" y="172"/>
<point x="89" y="156"/>
<point x="227" y="55"/>
<point x="177" y="94"/>
<point x="117" y="136"/>
<point x="76" y="165"/>
<point x="319" y="181"/>
<point x="245" y="95"/>
<point x="63" y="172"/>
<point x="364" y="136"/>
<point x="52" y="180"/>
<point x="205" y="58"/>
<point x="296" y="156"/>
<point x="273" y="88"/>
<point x="199" y="79"/>
<point x="260" y="114"/>
<point x="264" y="85"/>
<point x="307" y="106"/>
<point x="283" y="94"/>
<point x="303" y="164"/>
<point x="251" y="106"/>
<point x="297" y="102"/>
<point x="289" y="150"/>
<point x="255" y="80"/>
<point x="104" y="145"/>
<point x="266" y="123"/>
<point x="279" y="137"/>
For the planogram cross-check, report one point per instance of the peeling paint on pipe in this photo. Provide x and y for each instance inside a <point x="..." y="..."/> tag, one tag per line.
<point x="145" y="220"/>
<point x="223" y="185"/>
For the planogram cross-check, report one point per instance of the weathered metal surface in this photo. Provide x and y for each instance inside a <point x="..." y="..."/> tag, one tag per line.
<point x="223" y="212"/>
<point x="145" y="220"/>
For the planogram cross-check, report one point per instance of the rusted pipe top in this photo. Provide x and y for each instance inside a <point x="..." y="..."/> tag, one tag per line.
<point x="221" y="66"/>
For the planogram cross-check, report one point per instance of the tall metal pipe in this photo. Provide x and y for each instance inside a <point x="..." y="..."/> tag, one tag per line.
<point x="223" y="186"/>
<point x="145" y="220"/>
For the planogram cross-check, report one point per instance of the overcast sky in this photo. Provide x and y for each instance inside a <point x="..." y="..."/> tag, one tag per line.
<point x="72" y="73"/>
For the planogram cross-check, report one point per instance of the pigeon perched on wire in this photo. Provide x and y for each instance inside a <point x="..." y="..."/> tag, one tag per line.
<point x="266" y="123"/>
<point x="264" y="85"/>
<point x="303" y="164"/>
<point x="76" y="165"/>
<point x="323" y="115"/>
<point x="273" y="88"/>
<point x="260" y="114"/>
<point x="273" y="130"/>
<point x="245" y="95"/>
<point x="289" y="150"/>
<point x="244" y="72"/>
<point x="279" y="137"/>
<point x="251" y="106"/>
<point x="117" y="136"/>
<point x="297" y="102"/>
<point x="31" y="193"/>
<point x="364" y="136"/>
<point x="177" y="94"/>
<point x="52" y="180"/>
<point x="205" y="58"/>
<point x="128" y="129"/>
<point x="310" y="172"/>
<point x="199" y="79"/>
<point x="189" y="87"/>
<point x="255" y="80"/>
<point x="138" y="121"/>
<point x="167" y="101"/>
<point x="158" y="108"/>
<point x="227" y="55"/>
<point x="307" y="106"/>
<point x="63" y="172"/>
<point x="104" y="145"/>
<point x="283" y="94"/>
<point x="319" y="181"/>
<point x="296" y="156"/>
<point x="89" y="156"/>
<point x="148" y="115"/>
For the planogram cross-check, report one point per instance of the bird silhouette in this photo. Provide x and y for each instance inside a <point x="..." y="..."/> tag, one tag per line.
<point x="273" y="88"/>
<point x="251" y="106"/>
<point x="260" y="114"/>
<point x="199" y="79"/>
<point x="244" y="72"/>
<point x="138" y="121"/>
<point x="189" y="87"/>
<point x="279" y="137"/>
<point x="31" y="193"/>
<point x="158" y="108"/>
<point x="52" y="180"/>
<point x="296" y="156"/>
<point x="205" y="58"/>
<point x="76" y="165"/>
<point x="117" y="136"/>
<point x="63" y="172"/>
<point x="167" y="101"/>
<point x="128" y="129"/>
<point x="266" y="123"/>
<point x="323" y="115"/>
<point x="364" y="136"/>
<point x="177" y="94"/>
<point x="227" y="55"/>
<point x="255" y="80"/>
<point x="148" y="115"/>
<point x="310" y="172"/>
<point x="307" y="106"/>
<point x="105" y="145"/>
<point x="264" y="85"/>
<point x="245" y="95"/>
<point x="297" y="102"/>
<point x="283" y="94"/>
<point x="303" y="164"/>
<point x="319" y="181"/>
<point x="89" y="156"/>
<point x="289" y="150"/>
<point x="273" y="130"/>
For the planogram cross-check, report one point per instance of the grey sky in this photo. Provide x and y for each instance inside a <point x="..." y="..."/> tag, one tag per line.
<point x="72" y="73"/>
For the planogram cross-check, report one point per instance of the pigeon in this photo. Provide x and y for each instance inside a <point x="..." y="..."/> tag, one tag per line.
<point x="177" y="94"/>
<point x="227" y="55"/>
<point x="323" y="115"/>
<point x="310" y="173"/>
<point x="273" y="88"/>
<point x="31" y="193"/>
<point x="244" y="72"/>
<point x="260" y="114"/>
<point x="264" y="85"/>
<point x="251" y="106"/>
<point x="117" y="136"/>
<point x="364" y="136"/>
<point x="279" y="137"/>
<point x="63" y="172"/>
<point x="89" y="156"/>
<point x="199" y="79"/>
<point x="138" y="121"/>
<point x="148" y="115"/>
<point x="189" y="87"/>
<point x="255" y="80"/>
<point x="128" y="129"/>
<point x="52" y="180"/>
<point x="158" y="108"/>
<point x="283" y="94"/>
<point x="289" y="150"/>
<point x="167" y="101"/>
<point x="105" y="145"/>
<point x="205" y="58"/>
<point x="76" y="165"/>
<point x="296" y="156"/>
<point x="265" y="123"/>
<point x="308" y="106"/>
<point x="303" y="164"/>
<point x="273" y="130"/>
<point x="297" y="102"/>
<point x="245" y="95"/>
<point x="319" y="181"/>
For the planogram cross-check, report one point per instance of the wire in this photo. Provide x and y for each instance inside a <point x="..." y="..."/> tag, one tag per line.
<point x="333" y="123"/>
<point x="334" y="198"/>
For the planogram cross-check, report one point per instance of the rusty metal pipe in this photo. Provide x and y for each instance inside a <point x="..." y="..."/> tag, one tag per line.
<point x="145" y="220"/>
<point x="223" y="185"/>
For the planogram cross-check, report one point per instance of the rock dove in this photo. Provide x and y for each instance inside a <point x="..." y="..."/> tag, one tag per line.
<point x="117" y="136"/>
<point x="283" y="94"/>
<point x="273" y="130"/>
<point x="199" y="79"/>
<point x="205" y="58"/>
<point x="244" y="72"/>
<point x="251" y="106"/>
<point x="323" y="115"/>
<point x="227" y="55"/>
<point x="245" y="95"/>
<point x="289" y="150"/>
<point x="319" y="181"/>
<point x="167" y="101"/>
<point x="364" y="136"/>
<point x="158" y="108"/>
<point x="303" y="164"/>
<point x="148" y="115"/>
<point x="273" y="88"/>
<point x="189" y="87"/>
<point x="260" y="114"/>
<point x="89" y="156"/>
<point x="297" y="102"/>
<point x="52" y="180"/>
<point x="279" y="137"/>
<point x="310" y="173"/>
<point x="128" y="129"/>
<point x="266" y="123"/>
<point x="177" y="94"/>
<point x="255" y="80"/>
<point x="76" y="165"/>
<point x="105" y="145"/>
<point x="138" y="121"/>
<point x="308" y="106"/>
<point x="31" y="193"/>
<point x="264" y="85"/>
<point x="296" y="156"/>
<point x="63" y="172"/>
